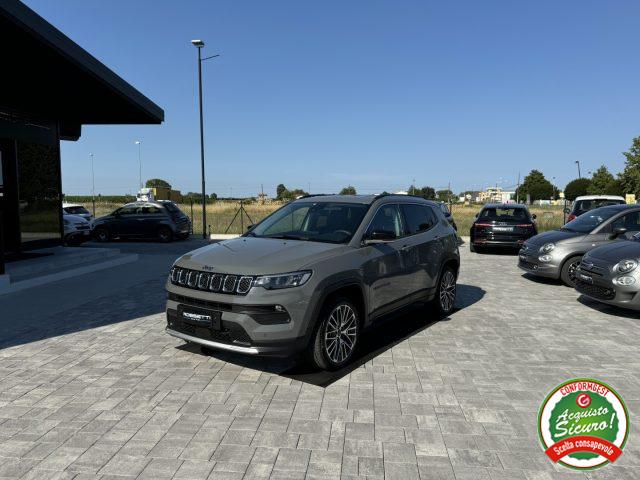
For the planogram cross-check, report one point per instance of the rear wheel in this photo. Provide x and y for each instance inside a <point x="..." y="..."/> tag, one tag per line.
<point x="568" y="272"/>
<point x="102" y="234"/>
<point x="165" y="234"/>
<point x="445" y="299"/>
<point x="336" y="335"/>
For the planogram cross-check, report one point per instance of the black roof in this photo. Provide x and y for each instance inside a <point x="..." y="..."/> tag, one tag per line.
<point x="504" y="205"/>
<point x="47" y="75"/>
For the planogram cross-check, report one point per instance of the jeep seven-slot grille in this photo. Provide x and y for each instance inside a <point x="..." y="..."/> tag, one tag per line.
<point x="211" y="282"/>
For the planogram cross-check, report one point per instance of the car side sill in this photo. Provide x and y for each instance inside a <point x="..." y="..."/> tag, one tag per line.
<point x="209" y="343"/>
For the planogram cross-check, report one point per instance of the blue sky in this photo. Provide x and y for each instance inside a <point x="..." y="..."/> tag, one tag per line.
<point x="369" y="93"/>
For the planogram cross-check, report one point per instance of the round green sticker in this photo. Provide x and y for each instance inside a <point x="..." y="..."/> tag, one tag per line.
<point x="583" y="424"/>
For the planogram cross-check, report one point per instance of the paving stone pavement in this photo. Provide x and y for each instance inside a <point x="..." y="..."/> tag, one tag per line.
<point x="101" y="392"/>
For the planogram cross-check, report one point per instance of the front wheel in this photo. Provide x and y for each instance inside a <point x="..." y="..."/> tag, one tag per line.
<point x="336" y="335"/>
<point x="101" y="234"/>
<point x="568" y="272"/>
<point x="446" y="292"/>
<point x="165" y="234"/>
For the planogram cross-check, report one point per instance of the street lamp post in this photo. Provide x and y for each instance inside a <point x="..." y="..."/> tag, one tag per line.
<point x="199" y="44"/>
<point x="93" y="187"/>
<point x="578" y="163"/>
<point x="139" y="143"/>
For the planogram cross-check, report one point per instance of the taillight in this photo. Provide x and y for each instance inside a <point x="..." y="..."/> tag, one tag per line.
<point x="571" y="217"/>
<point x="481" y="225"/>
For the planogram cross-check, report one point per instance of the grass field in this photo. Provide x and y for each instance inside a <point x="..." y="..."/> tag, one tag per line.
<point x="220" y="215"/>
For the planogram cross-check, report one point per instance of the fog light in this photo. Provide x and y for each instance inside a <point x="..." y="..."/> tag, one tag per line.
<point x="625" y="281"/>
<point x="545" y="258"/>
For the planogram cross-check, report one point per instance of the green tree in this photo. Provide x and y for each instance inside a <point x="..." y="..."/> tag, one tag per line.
<point x="157" y="182"/>
<point x="630" y="177"/>
<point x="213" y="196"/>
<point x="536" y="186"/>
<point x="348" y="190"/>
<point x="444" y="195"/>
<point x="425" y="192"/>
<point x="576" y="188"/>
<point x="282" y="192"/>
<point x="601" y="182"/>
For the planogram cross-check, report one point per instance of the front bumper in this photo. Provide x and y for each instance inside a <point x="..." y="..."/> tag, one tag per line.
<point x="598" y="284"/>
<point x="531" y="264"/>
<point x="248" y="324"/>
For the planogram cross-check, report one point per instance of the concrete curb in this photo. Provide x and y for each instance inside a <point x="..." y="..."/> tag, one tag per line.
<point x="8" y="287"/>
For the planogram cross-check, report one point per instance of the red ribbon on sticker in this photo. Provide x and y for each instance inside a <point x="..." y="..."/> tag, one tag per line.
<point x="583" y="443"/>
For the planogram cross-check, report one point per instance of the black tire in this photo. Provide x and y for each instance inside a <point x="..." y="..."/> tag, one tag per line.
<point x="328" y="352"/>
<point x="472" y="248"/>
<point x="567" y="273"/>
<point x="101" y="235"/>
<point x="165" y="235"/>
<point x="445" y="300"/>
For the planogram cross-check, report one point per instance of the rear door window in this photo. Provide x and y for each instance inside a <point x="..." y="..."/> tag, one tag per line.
<point x="418" y="218"/>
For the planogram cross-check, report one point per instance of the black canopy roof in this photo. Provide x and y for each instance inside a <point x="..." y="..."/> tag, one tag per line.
<point x="45" y="74"/>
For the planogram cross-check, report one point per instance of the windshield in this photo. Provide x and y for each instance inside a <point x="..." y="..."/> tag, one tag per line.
<point x="504" y="214"/>
<point x="588" y="221"/>
<point x="313" y="221"/>
<point x="76" y="210"/>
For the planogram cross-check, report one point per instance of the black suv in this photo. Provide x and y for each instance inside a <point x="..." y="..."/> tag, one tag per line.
<point x="161" y="220"/>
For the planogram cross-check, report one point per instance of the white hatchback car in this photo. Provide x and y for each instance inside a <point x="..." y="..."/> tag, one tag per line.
<point x="77" y="209"/>
<point x="77" y="230"/>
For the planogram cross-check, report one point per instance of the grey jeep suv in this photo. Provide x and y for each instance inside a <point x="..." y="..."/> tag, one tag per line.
<point x="557" y="254"/>
<point x="313" y="275"/>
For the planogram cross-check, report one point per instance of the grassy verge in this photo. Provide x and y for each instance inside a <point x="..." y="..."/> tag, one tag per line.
<point x="221" y="214"/>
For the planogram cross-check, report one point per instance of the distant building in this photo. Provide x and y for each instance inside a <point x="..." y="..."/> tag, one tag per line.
<point x="495" y="195"/>
<point x="263" y="198"/>
<point x="166" y="193"/>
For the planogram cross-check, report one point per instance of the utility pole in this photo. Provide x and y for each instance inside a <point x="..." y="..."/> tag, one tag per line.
<point x="518" y="190"/>
<point x="199" y="44"/>
<point x="93" y="187"/>
<point x="578" y="163"/>
<point x="139" y="143"/>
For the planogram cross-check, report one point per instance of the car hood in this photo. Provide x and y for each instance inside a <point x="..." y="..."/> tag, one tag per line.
<point x="617" y="250"/>
<point x="555" y="236"/>
<point x="258" y="256"/>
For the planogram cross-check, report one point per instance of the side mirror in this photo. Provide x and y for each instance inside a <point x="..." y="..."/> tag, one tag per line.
<point x="567" y="210"/>
<point x="477" y="214"/>
<point x="379" y="236"/>
<point x="534" y="216"/>
<point x="249" y="227"/>
<point x="617" y="232"/>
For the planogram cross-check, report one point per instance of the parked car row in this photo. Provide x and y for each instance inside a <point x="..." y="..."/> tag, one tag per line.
<point x="597" y="253"/>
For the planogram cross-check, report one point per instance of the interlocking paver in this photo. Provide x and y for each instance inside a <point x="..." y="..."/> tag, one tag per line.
<point x="117" y="398"/>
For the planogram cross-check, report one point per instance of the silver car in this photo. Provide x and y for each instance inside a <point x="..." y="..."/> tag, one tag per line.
<point x="556" y="254"/>
<point x="610" y="274"/>
<point x="313" y="275"/>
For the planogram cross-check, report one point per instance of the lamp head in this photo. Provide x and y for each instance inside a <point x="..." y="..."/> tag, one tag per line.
<point x="197" y="43"/>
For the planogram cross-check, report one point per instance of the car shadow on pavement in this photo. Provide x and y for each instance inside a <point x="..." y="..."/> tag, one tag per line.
<point x="542" y="280"/>
<point x="508" y="252"/>
<point x="393" y="330"/>
<point x="611" y="310"/>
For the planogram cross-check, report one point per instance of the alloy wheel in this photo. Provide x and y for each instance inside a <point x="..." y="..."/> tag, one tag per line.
<point x="340" y="333"/>
<point x="447" y="291"/>
<point x="572" y="270"/>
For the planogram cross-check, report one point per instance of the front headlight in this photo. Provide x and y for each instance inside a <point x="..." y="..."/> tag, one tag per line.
<point x="547" y="247"/>
<point x="626" y="266"/>
<point x="625" y="280"/>
<point x="285" y="280"/>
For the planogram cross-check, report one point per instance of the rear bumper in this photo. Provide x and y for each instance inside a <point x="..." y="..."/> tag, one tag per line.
<point x="507" y="243"/>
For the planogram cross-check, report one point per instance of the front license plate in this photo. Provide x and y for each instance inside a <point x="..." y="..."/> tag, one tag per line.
<point x="200" y="318"/>
<point x="503" y="229"/>
<point x="585" y="278"/>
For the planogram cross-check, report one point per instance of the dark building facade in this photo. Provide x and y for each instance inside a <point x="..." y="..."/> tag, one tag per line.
<point x="49" y="88"/>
